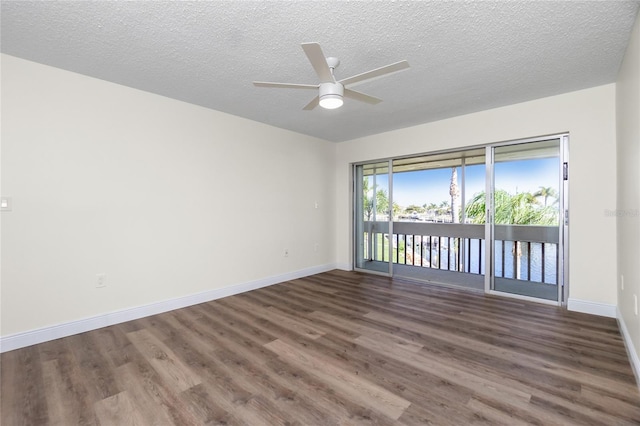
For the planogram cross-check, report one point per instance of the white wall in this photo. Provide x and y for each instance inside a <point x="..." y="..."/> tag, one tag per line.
<point x="589" y="116"/>
<point x="628" y="132"/>
<point x="167" y="198"/>
<point x="170" y="199"/>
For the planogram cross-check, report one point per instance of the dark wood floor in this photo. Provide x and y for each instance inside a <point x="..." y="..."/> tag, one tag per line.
<point x="335" y="348"/>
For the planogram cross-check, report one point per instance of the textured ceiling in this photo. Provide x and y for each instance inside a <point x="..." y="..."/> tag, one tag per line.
<point x="464" y="56"/>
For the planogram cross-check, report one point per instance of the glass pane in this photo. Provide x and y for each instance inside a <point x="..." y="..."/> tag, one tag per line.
<point x="474" y="194"/>
<point x="435" y="239"/>
<point x="374" y="248"/>
<point x="526" y="217"/>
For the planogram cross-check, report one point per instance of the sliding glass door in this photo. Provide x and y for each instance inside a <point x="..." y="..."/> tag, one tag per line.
<point x="488" y="218"/>
<point x="528" y="228"/>
<point x="436" y="240"/>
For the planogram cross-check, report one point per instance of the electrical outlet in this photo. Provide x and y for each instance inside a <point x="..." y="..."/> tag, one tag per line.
<point x="6" y="204"/>
<point x="635" y="304"/>
<point x="101" y="280"/>
<point x="286" y="252"/>
<point x="621" y="282"/>
<point x="315" y="247"/>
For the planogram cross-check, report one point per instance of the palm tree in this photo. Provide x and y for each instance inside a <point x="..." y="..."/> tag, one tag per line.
<point x="546" y="192"/>
<point x="396" y="209"/>
<point x="444" y="208"/>
<point x="455" y="196"/>
<point x="519" y="209"/>
<point x="367" y="200"/>
<point x="431" y="208"/>
<point x="382" y="202"/>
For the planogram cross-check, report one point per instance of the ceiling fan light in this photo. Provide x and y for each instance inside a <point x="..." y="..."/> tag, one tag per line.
<point x="331" y="95"/>
<point x="331" y="101"/>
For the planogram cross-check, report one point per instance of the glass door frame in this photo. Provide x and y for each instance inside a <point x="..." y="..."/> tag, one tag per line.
<point x="563" y="244"/>
<point x="358" y="218"/>
<point x="563" y="208"/>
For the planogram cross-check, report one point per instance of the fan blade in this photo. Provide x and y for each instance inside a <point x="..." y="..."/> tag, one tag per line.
<point x="311" y="105"/>
<point x="378" y="72"/>
<point x="284" y="85"/>
<point x="318" y="61"/>
<point x="359" y="96"/>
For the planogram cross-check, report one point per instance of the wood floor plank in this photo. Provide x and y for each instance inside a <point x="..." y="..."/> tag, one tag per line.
<point x="158" y="404"/>
<point x="544" y="366"/>
<point x="391" y="373"/>
<point x="65" y="400"/>
<point x="115" y="344"/>
<point x="93" y="366"/>
<point x="206" y="407"/>
<point x="337" y="348"/>
<point x="68" y="399"/>
<point x="478" y="384"/>
<point x="366" y="330"/>
<point x="265" y="321"/>
<point x="500" y="412"/>
<point x="304" y="302"/>
<point x="164" y="361"/>
<point x="297" y="325"/>
<point x="626" y="402"/>
<point x="119" y="409"/>
<point x="254" y="377"/>
<point x="22" y="392"/>
<point x="233" y="363"/>
<point x="375" y="397"/>
<point x="55" y="395"/>
<point x="441" y="397"/>
<point x="495" y="416"/>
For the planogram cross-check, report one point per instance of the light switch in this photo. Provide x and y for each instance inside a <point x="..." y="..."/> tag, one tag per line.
<point x="5" y="204"/>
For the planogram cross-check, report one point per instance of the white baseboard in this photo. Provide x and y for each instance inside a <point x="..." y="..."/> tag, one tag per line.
<point x="628" y="344"/>
<point x="45" y="334"/>
<point x="344" y="266"/>
<point x="593" y="308"/>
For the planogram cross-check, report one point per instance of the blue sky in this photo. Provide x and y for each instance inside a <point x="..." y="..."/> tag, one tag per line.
<point x="432" y="186"/>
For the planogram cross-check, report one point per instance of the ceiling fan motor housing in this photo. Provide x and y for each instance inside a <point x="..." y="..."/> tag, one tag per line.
<point x="330" y="96"/>
<point x="327" y="89"/>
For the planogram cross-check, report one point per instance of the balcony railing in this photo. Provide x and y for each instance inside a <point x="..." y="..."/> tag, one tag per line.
<point x="520" y="252"/>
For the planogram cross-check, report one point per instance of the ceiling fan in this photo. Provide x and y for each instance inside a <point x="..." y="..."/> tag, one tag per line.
<point x="330" y="90"/>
